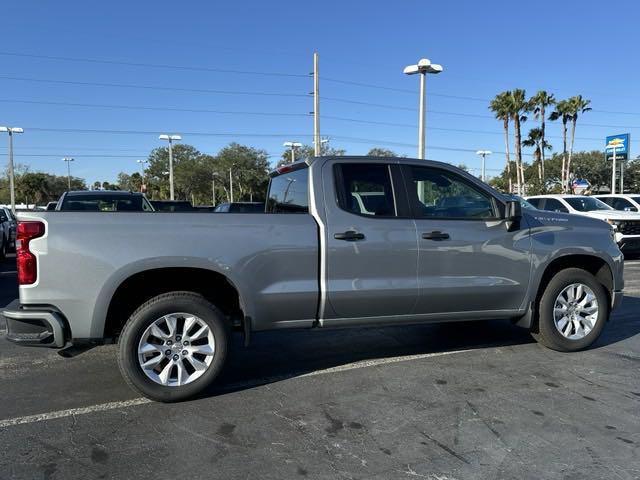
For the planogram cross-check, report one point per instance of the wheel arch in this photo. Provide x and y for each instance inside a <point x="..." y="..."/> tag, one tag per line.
<point x="596" y="265"/>
<point x="138" y="286"/>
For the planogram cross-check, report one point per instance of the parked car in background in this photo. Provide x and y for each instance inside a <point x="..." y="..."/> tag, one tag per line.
<point x="240" y="207"/>
<point x="10" y="223"/>
<point x="103" y="201"/>
<point x="172" y="206"/>
<point x="619" y="201"/>
<point x="436" y="245"/>
<point x="517" y="198"/>
<point x="627" y="224"/>
<point x="51" y="206"/>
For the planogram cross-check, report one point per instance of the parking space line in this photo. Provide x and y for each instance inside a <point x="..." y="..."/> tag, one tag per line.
<point x="102" y="407"/>
<point x="41" y="417"/>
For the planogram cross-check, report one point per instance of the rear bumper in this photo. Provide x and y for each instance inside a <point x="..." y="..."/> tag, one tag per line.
<point x="34" y="327"/>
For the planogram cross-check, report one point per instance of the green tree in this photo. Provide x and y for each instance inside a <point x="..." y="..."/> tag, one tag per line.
<point x="536" y="140"/>
<point x="40" y="187"/>
<point x="563" y="112"/>
<point x="538" y="104"/>
<point x="248" y="168"/>
<point x="131" y="182"/>
<point x="518" y="107"/>
<point x="187" y="171"/>
<point x="577" y="106"/>
<point x="501" y="107"/>
<point x="306" y="152"/>
<point x="381" y="152"/>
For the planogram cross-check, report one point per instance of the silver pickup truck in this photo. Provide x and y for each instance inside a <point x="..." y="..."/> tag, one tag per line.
<point x="344" y="241"/>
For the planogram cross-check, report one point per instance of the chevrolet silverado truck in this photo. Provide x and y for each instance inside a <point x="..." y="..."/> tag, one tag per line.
<point x="343" y="241"/>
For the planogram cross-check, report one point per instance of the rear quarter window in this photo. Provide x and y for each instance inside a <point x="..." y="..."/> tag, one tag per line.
<point x="289" y="192"/>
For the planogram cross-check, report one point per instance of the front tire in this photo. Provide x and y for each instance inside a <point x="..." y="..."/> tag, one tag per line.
<point x="572" y="311"/>
<point x="173" y="346"/>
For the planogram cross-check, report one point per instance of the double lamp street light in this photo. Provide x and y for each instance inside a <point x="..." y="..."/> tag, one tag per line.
<point x="423" y="67"/>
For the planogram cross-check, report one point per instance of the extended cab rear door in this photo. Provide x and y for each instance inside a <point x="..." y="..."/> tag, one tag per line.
<point x="468" y="261"/>
<point x="371" y="244"/>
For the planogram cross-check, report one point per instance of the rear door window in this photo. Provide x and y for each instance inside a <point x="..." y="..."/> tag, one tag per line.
<point x="365" y="189"/>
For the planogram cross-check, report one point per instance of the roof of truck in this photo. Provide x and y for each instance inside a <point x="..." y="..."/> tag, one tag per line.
<point x="100" y="192"/>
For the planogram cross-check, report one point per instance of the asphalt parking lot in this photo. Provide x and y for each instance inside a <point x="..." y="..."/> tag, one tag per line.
<point x="452" y="401"/>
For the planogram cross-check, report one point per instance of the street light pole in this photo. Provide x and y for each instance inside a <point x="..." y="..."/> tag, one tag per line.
<point x="613" y="172"/>
<point x="142" y="162"/>
<point x="230" y="185"/>
<point x="423" y="67"/>
<point x="10" y="131"/>
<point x="170" y="139"/>
<point x="483" y="154"/>
<point x="292" y="146"/>
<point x="68" y="160"/>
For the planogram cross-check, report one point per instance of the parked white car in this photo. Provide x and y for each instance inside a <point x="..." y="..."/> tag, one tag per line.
<point x="619" y="201"/>
<point x="627" y="223"/>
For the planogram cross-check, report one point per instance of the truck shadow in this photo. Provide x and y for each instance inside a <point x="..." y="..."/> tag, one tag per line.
<point x="281" y="355"/>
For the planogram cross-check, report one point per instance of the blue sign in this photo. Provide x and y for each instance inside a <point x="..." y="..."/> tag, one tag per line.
<point x="619" y="144"/>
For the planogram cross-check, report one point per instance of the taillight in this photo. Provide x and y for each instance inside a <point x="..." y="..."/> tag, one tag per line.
<point x="27" y="262"/>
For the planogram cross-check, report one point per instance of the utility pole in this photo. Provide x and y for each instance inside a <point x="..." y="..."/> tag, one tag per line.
<point x="231" y="185"/>
<point x="316" y="106"/>
<point x="170" y="139"/>
<point x="68" y="160"/>
<point x="10" y="131"/>
<point x="423" y="67"/>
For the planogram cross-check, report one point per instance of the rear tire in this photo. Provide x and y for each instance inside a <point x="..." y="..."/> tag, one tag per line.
<point x="569" y="326"/>
<point x="184" y="360"/>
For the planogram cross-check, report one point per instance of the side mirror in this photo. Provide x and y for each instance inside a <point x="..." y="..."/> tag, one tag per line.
<point x="513" y="215"/>
<point x="3" y="218"/>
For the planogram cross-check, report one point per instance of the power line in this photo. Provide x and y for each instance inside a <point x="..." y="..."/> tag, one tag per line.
<point x="146" y="107"/>
<point x="285" y="114"/>
<point x="269" y="94"/>
<point x="154" y="65"/>
<point x="153" y="87"/>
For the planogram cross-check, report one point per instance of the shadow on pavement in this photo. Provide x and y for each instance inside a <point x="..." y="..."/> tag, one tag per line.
<point x="277" y="356"/>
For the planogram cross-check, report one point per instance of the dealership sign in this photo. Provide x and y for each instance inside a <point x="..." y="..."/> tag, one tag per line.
<point x="618" y="144"/>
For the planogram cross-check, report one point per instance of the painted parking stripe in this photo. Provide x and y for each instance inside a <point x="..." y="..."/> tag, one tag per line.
<point x="103" y="407"/>
<point x="41" y="417"/>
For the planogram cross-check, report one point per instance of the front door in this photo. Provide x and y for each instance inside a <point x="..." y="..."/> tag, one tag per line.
<point x="468" y="261"/>
<point x="371" y="243"/>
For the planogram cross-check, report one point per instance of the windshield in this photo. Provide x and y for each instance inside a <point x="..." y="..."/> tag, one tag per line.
<point x="586" y="204"/>
<point x="635" y="198"/>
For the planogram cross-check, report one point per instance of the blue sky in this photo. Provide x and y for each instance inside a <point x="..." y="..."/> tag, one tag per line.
<point x="485" y="47"/>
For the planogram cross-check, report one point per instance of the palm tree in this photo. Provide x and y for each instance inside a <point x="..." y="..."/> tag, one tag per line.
<point x="500" y="106"/>
<point x="539" y="103"/>
<point x="577" y="106"/>
<point x="518" y="106"/>
<point x="536" y="139"/>
<point x="562" y="111"/>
